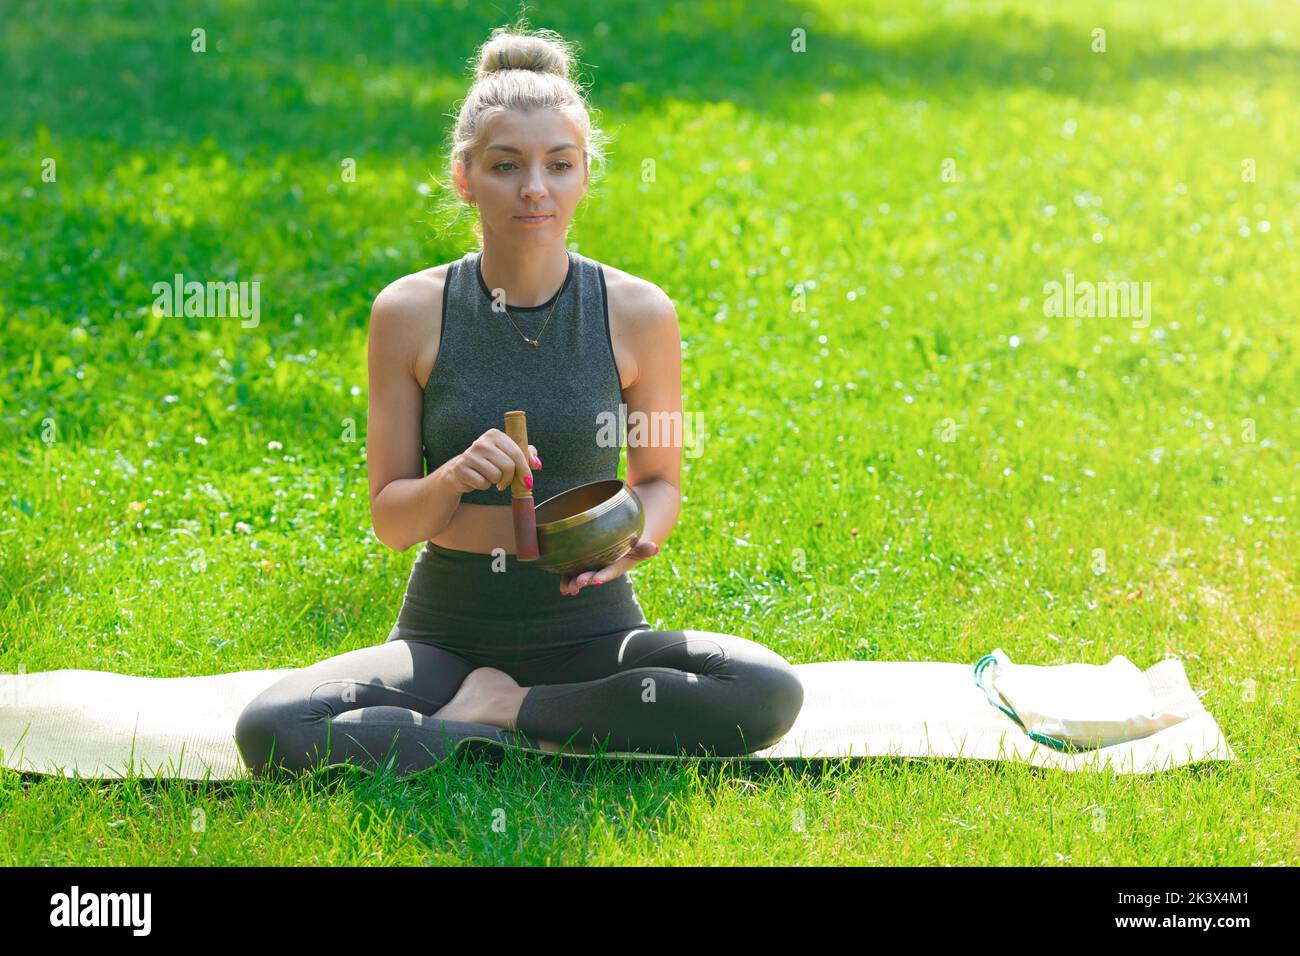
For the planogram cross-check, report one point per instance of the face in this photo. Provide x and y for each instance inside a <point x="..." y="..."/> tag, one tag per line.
<point x="532" y="166"/>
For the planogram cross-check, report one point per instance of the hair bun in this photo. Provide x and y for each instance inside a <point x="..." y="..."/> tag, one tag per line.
<point x="518" y="51"/>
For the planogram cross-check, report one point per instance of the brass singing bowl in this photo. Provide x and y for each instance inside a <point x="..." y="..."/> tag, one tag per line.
<point x="588" y="527"/>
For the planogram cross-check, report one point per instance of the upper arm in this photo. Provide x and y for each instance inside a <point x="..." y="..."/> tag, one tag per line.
<point x="654" y="399"/>
<point x="393" y="439"/>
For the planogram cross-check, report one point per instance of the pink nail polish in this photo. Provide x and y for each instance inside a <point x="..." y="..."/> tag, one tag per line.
<point x="528" y="482"/>
<point x="598" y="583"/>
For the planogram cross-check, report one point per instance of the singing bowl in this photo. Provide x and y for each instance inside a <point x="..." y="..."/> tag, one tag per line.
<point x="588" y="527"/>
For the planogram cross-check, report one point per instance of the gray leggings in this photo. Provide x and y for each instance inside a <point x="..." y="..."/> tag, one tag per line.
<point x="598" y="676"/>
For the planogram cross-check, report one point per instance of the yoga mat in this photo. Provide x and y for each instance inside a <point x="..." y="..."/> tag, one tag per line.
<point x="99" y="725"/>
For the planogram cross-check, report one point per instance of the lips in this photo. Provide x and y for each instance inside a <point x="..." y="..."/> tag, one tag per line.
<point x="538" y="217"/>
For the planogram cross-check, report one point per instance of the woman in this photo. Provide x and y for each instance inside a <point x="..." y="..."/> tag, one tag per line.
<point x="486" y="645"/>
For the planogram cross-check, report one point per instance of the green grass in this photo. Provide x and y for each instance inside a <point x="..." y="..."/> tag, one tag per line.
<point x="1076" y="441"/>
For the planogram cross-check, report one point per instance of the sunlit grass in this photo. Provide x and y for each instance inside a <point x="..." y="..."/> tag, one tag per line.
<point x="918" y="465"/>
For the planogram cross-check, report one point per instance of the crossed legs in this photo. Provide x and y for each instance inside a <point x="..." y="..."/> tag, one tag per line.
<point x="670" y="691"/>
<point x="409" y="702"/>
<point x="365" y="707"/>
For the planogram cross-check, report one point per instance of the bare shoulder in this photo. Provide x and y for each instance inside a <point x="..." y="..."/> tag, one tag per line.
<point x="406" y="319"/>
<point x="636" y="299"/>
<point x="642" y="318"/>
<point x="410" y="295"/>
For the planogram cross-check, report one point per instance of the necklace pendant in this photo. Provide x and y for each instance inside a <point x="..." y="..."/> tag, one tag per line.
<point x="533" y="342"/>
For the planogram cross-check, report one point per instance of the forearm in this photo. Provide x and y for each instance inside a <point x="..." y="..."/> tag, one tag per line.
<point x="410" y="510"/>
<point x="662" y="502"/>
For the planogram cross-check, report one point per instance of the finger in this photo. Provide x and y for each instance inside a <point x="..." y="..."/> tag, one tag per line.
<point x="643" y="548"/>
<point x="607" y="572"/>
<point x="475" y="477"/>
<point x="480" y="458"/>
<point x="505" y="469"/>
<point x="532" y="457"/>
<point x="505" y="464"/>
<point x="516" y="466"/>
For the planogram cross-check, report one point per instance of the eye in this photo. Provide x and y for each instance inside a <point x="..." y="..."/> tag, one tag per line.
<point x="503" y="163"/>
<point x="564" y="164"/>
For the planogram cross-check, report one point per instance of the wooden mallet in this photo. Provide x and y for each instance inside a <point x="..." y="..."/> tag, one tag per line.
<point x="521" y="498"/>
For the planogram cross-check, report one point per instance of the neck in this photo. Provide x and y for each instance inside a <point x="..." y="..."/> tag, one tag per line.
<point x="529" y="274"/>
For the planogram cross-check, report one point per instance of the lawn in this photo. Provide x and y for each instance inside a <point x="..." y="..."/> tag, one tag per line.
<point x="907" y="453"/>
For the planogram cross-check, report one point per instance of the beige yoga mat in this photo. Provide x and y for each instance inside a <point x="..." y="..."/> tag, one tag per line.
<point x="100" y="725"/>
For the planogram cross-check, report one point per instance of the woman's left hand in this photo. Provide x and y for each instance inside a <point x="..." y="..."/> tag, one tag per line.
<point x="642" y="549"/>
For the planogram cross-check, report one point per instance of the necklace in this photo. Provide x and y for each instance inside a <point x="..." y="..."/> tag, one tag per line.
<point x="533" y="341"/>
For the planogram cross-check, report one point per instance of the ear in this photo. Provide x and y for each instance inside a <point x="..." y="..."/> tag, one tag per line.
<point x="462" y="184"/>
<point x="586" y="183"/>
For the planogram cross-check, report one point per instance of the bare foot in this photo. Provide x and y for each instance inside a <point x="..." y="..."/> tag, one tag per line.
<point x="485" y="696"/>
<point x="491" y="696"/>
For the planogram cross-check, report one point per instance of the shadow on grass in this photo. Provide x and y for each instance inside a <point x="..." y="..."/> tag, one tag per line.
<point x="352" y="80"/>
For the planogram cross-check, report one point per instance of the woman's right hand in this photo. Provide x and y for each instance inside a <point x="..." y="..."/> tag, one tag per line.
<point x="493" y="459"/>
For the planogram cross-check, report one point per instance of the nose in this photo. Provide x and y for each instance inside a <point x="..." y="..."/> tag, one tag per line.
<point x="534" y="185"/>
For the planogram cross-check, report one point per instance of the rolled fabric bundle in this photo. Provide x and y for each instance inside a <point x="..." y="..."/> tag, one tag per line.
<point x="1075" y="706"/>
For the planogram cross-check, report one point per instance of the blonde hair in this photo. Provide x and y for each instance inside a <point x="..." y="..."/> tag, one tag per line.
<point x="520" y="70"/>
